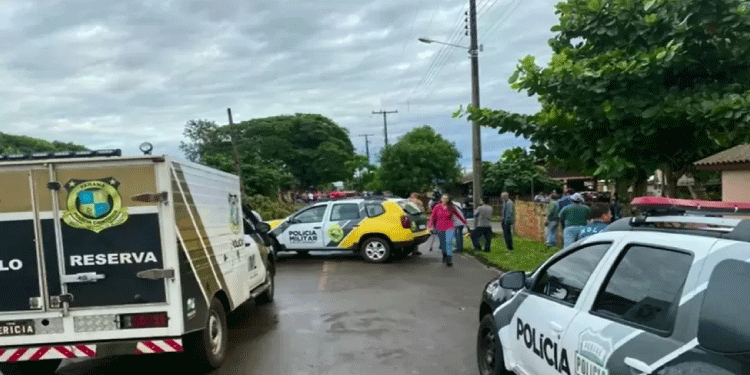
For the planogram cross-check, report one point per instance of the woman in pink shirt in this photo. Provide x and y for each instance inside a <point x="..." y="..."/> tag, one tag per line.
<point x="441" y="220"/>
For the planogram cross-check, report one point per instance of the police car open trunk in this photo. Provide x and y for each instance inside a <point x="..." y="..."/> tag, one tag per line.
<point x="128" y="249"/>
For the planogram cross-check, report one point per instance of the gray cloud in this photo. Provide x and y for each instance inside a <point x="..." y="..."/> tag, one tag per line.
<point x="114" y="74"/>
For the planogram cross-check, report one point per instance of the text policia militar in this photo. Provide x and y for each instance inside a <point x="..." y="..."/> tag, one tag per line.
<point x="544" y="347"/>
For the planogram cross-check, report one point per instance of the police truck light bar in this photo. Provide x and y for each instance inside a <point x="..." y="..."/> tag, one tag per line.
<point x="41" y="155"/>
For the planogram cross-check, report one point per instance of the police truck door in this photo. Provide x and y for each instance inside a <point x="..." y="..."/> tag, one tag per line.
<point x="20" y="275"/>
<point x="104" y="236"/>
<point x="306" y="229"/>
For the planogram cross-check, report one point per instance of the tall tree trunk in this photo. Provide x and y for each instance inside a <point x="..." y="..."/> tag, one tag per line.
<point x="640" y="187"/>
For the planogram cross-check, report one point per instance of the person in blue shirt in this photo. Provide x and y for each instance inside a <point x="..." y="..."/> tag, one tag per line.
<point x="566" y="200"/>
<point x="601" y="215"/>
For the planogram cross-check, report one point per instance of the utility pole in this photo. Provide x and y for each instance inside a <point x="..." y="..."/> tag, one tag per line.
<point x="233" y="135"/>
<point x="367" y="144"/>
<point x="385" y="123"/>
<point x="476" y="132"/>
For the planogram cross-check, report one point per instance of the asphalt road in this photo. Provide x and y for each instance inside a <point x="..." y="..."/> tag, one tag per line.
<point x="335" y="314"/>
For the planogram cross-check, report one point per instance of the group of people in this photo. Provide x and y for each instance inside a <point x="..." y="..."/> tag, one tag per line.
<point x="448" y="224"/>
<point x="576" y="218"/>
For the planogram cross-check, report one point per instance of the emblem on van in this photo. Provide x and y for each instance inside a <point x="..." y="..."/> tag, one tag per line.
<point x="335" y="233"/>
<point x="235" y="218"/>
<point x="94" y="204"/>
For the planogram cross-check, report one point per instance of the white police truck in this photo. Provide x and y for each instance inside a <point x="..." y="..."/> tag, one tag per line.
<point x="667" y="292"/>
<point x="105" y="255"/>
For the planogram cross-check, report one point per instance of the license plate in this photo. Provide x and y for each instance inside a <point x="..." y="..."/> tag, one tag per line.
<point x="17" y="328"/>
<point x="421" y="226"/>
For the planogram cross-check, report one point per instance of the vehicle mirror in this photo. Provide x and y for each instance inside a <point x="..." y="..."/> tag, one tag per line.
<point x="513" y="280"/>
<point x="263" y="227"/>
<point x="722" y="325"/>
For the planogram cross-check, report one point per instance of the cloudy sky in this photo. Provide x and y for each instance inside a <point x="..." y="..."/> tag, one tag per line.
<point x="112" y="74"/>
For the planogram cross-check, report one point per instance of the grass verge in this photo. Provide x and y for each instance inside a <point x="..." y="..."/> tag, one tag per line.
<point x="526" y="254"/>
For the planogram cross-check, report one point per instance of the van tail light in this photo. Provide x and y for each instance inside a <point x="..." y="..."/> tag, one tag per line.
<point x="405" y="222"/>
<point x="153" y="320"/>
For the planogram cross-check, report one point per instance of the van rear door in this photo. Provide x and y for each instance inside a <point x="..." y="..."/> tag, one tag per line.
<point x="104" y="237"/>
<point x="19" y="258"/>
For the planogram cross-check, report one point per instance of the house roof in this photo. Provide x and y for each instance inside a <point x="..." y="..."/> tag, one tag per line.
<point x="735" y="155"/>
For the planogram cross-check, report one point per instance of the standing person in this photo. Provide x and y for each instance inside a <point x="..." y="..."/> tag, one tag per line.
<point x="552" y="223"/>
<point x="442" y="220"/>
<point x="482" y="226"/>
<point x="414" y="198"/>
<point x="566" y="199"/>
<point x="435" y="199"/>
<point x="458" y="221"/>
<point x="573" y="217"/>
<point x="615" y="207"/>
<point x="602" y="216"/>
<point x="509" y="218"/>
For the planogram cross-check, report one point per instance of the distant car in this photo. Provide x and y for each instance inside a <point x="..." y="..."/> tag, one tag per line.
<point x="656" y="294"/>
<point x="378" y="228"/>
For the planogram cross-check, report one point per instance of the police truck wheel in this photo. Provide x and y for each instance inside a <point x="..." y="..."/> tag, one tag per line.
<point x="46" y="367"/>
<point x="267" y="296"/>
<point x="209" y="347"/>
<point x="376" y="250"/>
<point x="489" y="351"/>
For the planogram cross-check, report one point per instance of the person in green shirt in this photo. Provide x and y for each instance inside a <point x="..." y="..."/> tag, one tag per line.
<point x="573" y="217"/>
<point x="552" y="222"/>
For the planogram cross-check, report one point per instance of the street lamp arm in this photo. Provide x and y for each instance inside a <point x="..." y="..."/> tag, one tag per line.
<point x="428" y="41"/>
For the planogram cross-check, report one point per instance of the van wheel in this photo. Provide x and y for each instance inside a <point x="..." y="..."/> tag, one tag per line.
<point x="376" y="250"/>
<point x="209" y="346"/>
<point x="46" y="367"/>
<point x="489" y="350"/>
<point x="267" y="296"/>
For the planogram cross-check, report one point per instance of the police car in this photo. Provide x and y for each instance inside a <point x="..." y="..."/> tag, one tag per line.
<point x="376" y="227"/>
<point x="667" y="292"/>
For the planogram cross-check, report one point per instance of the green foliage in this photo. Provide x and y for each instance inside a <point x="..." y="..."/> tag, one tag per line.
<point x="416" y="159"/>
<point x="313" y="148"/>
<point x="279" y="152"/>
<point x="365" y="174"/>
<point x="21" y="144"/>
<point x="514" y="173"/>
<point x="270" y="208"/>
<point x="527" y="254"/>
<point x="636" y="85"/>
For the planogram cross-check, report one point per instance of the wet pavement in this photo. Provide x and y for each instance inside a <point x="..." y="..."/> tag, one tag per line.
<point x="336" y="314"/>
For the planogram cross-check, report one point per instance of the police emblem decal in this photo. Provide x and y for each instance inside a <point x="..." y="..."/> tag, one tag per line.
<point x="234" y="213"/>
<point x="94" y="204"/>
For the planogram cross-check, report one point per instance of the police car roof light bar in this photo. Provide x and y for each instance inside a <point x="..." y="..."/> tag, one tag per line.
<point x="660" y="206"/>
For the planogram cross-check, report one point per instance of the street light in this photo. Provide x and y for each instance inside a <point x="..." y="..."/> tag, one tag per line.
<point x="475" y="130"/>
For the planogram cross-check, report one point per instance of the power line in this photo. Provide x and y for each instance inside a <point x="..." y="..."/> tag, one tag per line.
<point x="440" y="56"/>
<point x="438" y="63"/>
<point x="502" y="20"/>
<point x="483" y="12"/>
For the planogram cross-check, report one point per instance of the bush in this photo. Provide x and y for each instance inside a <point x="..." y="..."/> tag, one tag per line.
<point x="270" y="208"/>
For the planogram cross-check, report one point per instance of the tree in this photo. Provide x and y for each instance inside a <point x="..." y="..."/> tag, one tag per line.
<point x="21" y="144"/>
<point x="212" y="146"/>
<point x="312" y="147"/>
<point x="636" y="85"/>
<point x="515" y="172"/>
<point x="277" y="152"/>
<point x="364" y="174"/>
<point x="419" y="157"/>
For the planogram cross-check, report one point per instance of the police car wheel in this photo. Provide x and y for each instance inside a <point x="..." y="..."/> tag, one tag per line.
<point x="489" y="351"/>
<point x="376" y="250"/>
<point x="209" y="346"/>
<point x="46" y="367"/>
